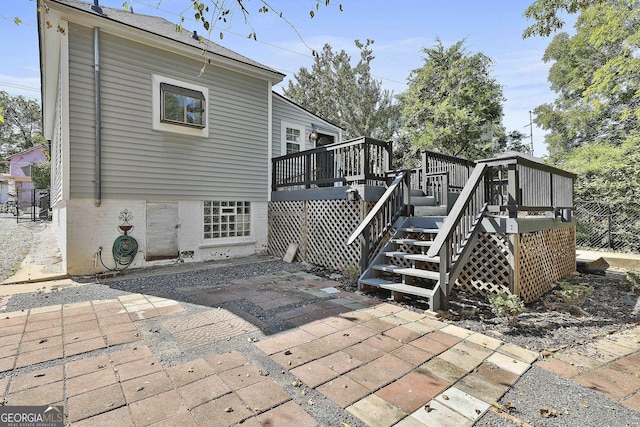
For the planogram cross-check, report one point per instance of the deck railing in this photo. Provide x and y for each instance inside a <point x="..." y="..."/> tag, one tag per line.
<point x="393" y="204"/>
<point x="358" y="161"/>
<point x="521" y="183"/>
<point x="442" y="174"/>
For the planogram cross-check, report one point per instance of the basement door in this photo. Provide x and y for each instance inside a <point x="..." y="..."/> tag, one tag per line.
<point x="162" y="231"/>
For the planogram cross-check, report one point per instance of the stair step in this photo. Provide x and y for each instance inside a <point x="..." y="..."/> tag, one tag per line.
<point x="423" y="201"/>
<point x="414" y="242"/>
<point x="413" y="257"/>
<point x="417" y="193"/>
<point x="399" y="287"/>
<point x="429" y="210"/>
<point x="419" y="230"/>
<point x="415" y="272"/>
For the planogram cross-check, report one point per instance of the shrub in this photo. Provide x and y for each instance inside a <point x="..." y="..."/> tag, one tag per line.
<point x="507" y="305"/>
<point x="574" y="295"/>
<point x="632" y="281"/>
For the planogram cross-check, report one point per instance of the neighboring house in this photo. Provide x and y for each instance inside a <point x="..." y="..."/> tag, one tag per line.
<point x="18" y="180"/>
<point x="163" y="130"/>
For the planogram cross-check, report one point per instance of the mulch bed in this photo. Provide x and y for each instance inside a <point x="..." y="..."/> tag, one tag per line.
<point x="547" y="324"/>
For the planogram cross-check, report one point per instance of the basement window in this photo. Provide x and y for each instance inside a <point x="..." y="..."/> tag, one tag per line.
<point x="224" y="219"/>
<point x="182" y="106"/>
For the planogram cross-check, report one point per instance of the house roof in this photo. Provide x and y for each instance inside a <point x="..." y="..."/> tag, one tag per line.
<point x="165" y="29"/>
<point x="37" y="147"/>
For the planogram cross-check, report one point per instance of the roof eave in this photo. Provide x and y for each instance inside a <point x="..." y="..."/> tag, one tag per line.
<point x="87" y="18"/>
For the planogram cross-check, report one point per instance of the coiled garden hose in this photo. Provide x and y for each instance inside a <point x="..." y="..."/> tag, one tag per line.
<point x="124" y="251"/>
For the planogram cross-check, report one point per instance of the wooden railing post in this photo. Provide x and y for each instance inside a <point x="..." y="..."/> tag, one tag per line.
<point x="307" y="170"/>
<point x="445" y="192"/>
<point x="366" y="163"/>
<point x="513" y="191"/>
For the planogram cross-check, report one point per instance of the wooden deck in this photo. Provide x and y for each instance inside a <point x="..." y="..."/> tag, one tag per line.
<point x="508" y="224"/>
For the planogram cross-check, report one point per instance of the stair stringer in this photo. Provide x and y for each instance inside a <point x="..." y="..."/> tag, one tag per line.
<point x="380" y="256"/>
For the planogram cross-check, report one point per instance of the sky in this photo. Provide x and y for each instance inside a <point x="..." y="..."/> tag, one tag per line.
<point x="400" y="30"/>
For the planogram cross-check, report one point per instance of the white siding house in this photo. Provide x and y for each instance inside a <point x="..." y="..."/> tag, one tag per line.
<point x="141" y="132"/>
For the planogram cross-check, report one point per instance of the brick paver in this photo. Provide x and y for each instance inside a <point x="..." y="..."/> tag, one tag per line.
<point x="383" y="364"/>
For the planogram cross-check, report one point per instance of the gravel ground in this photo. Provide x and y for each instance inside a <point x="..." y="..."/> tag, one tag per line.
<point x="15" y="242"/>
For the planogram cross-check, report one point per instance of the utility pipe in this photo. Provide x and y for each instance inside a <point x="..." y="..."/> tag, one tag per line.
<point x="98" y="117"/>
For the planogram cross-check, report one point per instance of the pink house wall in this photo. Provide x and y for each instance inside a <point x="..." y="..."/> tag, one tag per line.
<point x="16" y="172"/>
<point x="20" y="160"/>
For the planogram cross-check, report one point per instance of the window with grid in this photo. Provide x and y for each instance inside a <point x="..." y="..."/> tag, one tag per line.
<point x="292" y="137"/>
<point x="226" y="219"/>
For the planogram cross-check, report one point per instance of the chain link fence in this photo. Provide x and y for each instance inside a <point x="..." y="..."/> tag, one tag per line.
<point x="608" y="226"/>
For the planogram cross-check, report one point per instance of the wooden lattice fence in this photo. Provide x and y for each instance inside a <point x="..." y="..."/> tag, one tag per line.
<point x="544" y="257"/>
<point x="487" y="270"/>
<point x="320" y="228"/>
<point x="527" y="264"/>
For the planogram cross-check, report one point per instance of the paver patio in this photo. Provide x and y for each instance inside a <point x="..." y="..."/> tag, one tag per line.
<point x="376" y="362"/>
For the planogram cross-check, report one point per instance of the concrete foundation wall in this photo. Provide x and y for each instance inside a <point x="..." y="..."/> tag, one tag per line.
<point x="89" y="228"/>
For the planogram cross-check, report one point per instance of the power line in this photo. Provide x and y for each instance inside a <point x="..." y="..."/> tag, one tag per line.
<point x="15" y="86"/>
<point x="228" y="31"/>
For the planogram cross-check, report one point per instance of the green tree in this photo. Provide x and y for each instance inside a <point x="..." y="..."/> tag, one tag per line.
<point x="610" y="173"/>
<point x="21" y="128"/>
<point x="41" y="175"/>
<point x="516" y="142"/>
<point x="344" y="94"/>
<point x="547" y="15"/>
<point x="596" y="75"/>
<point x="453" y="105"/>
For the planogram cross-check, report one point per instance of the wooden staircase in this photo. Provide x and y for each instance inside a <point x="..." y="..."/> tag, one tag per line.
<point x="403" y="266"/>
<point x="425" y="251"/>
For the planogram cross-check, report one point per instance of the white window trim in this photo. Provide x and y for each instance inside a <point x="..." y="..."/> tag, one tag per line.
<point x="335" y="135"/>
<point x="177" y="128"/>
<point x="283" y="136"/>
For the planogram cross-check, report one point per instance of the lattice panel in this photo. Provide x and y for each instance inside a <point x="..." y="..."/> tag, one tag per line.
<point x="329" y="224"/>
<point x="544" y="258"/>
<point x="487" y="270"/>
<point x="285" y="225"/>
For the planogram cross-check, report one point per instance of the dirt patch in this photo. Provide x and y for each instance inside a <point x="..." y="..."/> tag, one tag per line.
<point x="547" y="324"/>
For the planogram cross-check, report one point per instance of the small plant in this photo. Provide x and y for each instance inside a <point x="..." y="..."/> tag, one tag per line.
<point x="507" y="305"/>
<point x="632" y="281"/>
<point x="574" y="295"/>
<point x="350" y="272"/>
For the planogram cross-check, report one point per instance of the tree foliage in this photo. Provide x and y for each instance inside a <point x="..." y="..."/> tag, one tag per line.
<point x="547" y="15"/>
<point x="41" y="175"/>
<point x="596" y="75"/>
<point x="515" y="141"/>
<point x="214" y="14"/>
<point x="344" y="94"/>
<point x="610" y="174"/>
<point x="21" y="128"/>
<point x="453" y="105"/>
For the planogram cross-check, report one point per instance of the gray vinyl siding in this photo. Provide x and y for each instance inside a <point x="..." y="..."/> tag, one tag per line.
<point x="56" y="151"/>
<point x="142" y="163"/>
<point x="283" y="110"/>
